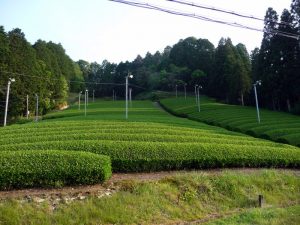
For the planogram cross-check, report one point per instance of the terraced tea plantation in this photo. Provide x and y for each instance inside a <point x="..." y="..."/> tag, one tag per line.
<point x="68" y="148"/>
<point x="276" y="126"/>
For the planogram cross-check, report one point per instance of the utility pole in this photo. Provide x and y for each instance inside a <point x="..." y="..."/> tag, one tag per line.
<point x="37" y="108"/>
<point x="256" y="100"/>
<point x="87" y="97"/>
<point x="10" y="80"/>
<point x="27" y="111"/>
<point x="196" y="94"/>
<point x="126" y="94"/>
<point x="85" y="101"/>
<point x="130" y="91"/>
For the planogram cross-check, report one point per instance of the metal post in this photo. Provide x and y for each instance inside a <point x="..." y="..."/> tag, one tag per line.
<point x="256" y="101"/>
<point x="7" y="98"/>
<point x="130" y="91"/>
<point x="113" y="95"/>
<point x="87" y="97"/>
<point x="27" y="112"/>
<point x="37" y="108"/>
<point x="196" y="96"/>
<point x="85" y="102"/>
<point x="184" y="91"/>
<point x="176" y="90"/>
<point x="126" y="93"/>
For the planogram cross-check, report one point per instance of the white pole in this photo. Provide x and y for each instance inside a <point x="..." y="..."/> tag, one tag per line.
<point x="87" y="97"/>
<point x="85" y="102"/>
<point x="256" y="101"/>
<point x="6" y="103"/>
<point x="37" y="108"/>
<point x="196" y="94"/>
<point x="27" y="112"/>
<point x="126" y="93"/>
<point x="130" y="90"/>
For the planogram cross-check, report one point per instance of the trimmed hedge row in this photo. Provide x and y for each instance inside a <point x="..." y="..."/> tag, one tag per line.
<point x="153" y="156"/>
<point x="275" y="126"/>
<point x="36" y="168"/>
<point x="149" y="137"/>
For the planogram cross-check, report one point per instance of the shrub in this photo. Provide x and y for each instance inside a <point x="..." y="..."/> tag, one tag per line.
<point x="20" y="169"/>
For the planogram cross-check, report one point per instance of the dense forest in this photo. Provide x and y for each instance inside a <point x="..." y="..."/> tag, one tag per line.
<point x="225" y="72"/>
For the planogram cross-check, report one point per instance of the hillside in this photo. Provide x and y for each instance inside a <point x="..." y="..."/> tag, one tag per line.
<point x="276" y="126"/>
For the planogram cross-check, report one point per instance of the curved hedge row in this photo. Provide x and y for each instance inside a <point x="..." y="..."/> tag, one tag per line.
<point x="275" y="126"/>
<point x="35" y="168"/>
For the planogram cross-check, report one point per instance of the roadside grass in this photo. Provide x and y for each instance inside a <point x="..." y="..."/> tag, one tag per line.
<point x="276" y="126"/>
<point x="269" y="216"/>
<point x="188" y="197"/>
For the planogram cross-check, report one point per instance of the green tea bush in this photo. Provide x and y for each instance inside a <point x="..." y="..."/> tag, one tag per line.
<point x="133" y="156"/>
<point x="273" y="126"/>
<point x="20" y="169"/>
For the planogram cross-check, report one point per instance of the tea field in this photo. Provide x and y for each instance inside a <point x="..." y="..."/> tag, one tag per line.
<point x="277" y="126"/>
<point x="67" y="147"/>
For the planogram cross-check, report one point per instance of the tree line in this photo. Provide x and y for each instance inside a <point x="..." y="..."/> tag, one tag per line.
<point x="225" y="72"/>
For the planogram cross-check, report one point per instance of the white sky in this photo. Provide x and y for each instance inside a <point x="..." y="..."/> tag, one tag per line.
<point x="95" y="30"/>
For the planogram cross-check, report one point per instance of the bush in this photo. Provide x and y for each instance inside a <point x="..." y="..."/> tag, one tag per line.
<point x="20" y="169"/>
<point x="132" y="156"/>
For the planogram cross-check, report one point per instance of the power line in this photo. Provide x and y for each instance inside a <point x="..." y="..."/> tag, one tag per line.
<point x="179" y="13"/>
<point x="226" y="11"/>
<point x="71" y="81"/>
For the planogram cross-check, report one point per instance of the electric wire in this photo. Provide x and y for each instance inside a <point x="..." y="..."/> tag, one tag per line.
<point x="55" y="79"/>
<point x="204" y="18"/>
<point x="212" y="8"/>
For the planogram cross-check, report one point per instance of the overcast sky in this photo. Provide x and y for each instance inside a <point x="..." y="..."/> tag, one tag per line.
<point x="95" y="30"/>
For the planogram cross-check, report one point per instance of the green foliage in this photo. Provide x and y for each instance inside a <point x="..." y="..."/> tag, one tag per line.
<point x="20" y="169"/>
<point x="276" y="126"/>
<point x="151" y="141"/>
<point x="43" y="69"/>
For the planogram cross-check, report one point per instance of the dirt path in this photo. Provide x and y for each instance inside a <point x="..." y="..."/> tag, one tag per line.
<point x="108" y="188"/>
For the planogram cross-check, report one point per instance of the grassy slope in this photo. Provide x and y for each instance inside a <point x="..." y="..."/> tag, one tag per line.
<point x="271" y="216"/>
<point x="277" y="126"/>
<point x="186" y="197"/>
